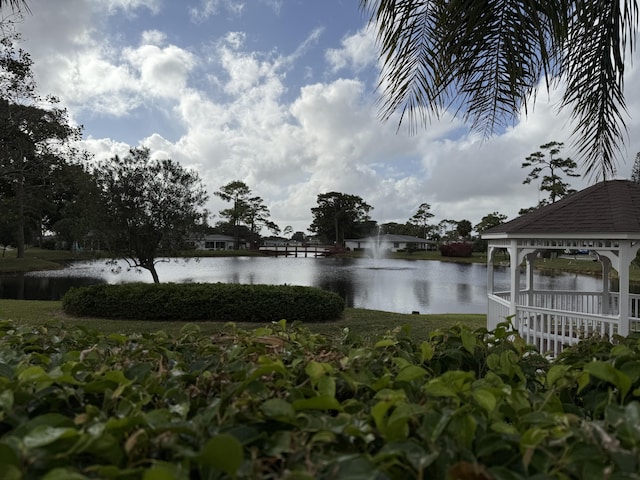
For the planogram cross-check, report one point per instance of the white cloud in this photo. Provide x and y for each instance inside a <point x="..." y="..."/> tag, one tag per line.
<point x="358" y="52"/>
<point x="129" y="7"/>
<point x="162" y="71"/>
<point x="289" y="143"/>
<point x="210" y="8"/>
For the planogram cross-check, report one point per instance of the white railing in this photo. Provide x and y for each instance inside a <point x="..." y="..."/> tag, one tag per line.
<point x="551" y="320"/>
<point x="552" y="330"/>
<point x="498" y="310"/>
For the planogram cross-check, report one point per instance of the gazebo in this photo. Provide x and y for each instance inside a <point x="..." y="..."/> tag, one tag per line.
<point x="603" y="219"/>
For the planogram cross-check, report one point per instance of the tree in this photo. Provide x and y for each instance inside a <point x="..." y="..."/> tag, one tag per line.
<point x="484" y="59"/>
<point x="339" y="215"/>
<point x="464" y="228"/>
<point x="448" y="229"/>
<point x="489" y="221"/>
<point x="35" y="139"/>
<point x="421" y="218"/>
<point x="257" y="215"/>
<point x="299" y="237"/>
<point x="236" y="192"/>
<point x="287" y="231"/>
<point x="74" y="194"/>
<point x="635" y="171"/>
<point x="147" y="208"/>
<point x="395" y="228"/>
<point x="552" y="182"/>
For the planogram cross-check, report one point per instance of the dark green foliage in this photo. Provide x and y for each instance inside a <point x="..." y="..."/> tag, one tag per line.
<point x="204" y="301"/>
<point x="280" y="402"/>
<point x="456" y="249"/>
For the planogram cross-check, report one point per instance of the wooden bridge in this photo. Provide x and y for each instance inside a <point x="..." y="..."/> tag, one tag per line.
<point x="300" y="250"/>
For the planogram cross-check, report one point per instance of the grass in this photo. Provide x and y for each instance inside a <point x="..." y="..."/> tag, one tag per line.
<point x="367" y="325"/>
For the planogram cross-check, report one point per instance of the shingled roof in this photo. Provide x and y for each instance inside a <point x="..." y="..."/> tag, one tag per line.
<point x="611" y="207"/>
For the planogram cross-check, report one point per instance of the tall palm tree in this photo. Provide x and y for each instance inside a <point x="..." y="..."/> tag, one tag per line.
<point x="484" y="59"/>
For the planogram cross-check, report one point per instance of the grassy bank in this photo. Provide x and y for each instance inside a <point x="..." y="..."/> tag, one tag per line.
<point x="364" y="324"/>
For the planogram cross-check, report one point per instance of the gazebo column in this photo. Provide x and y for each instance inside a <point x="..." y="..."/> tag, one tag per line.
<point x="606" y="294"/>
<point x="626" y="253"/>
<point x="529" y="259"/>
<point x="624" y="259"/>
<point x="490" y="273"/>
<point x="514" y="270"/>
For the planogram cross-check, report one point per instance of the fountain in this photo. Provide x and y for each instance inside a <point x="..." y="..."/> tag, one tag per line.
<point x="376" y="249"/>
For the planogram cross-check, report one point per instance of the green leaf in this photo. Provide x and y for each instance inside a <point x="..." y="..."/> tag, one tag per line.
<point x="412" y="372"/>
<point x="63" y="474"/>
<point x="315" y="370"/>
<point x="485" y="399"/>
<point x="43" y="435"/>
<point x="8" y="456"/>
<point x="6" y="400"/>
<point x="607" y="372"/>
<point x="327" y="386"/>
<point x="33" y="374"/>
<point x="556" y="373"/>
<point x="387" y="342"/>
<point x="278" y="409"/>
<point x="222" y="452"/>
<point x="468" y="340"/>
<point x="10" y="472"/>
<point x="426" y="351"/>
<point x="321" y="402"/>
<point x="533" y="437"/>
<point x="158" y="473"/>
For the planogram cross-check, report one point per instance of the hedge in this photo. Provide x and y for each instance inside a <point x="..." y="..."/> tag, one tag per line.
<point x="204" y="301"/>
<point x="280" y="402"/>
<point x="456" y="249"/>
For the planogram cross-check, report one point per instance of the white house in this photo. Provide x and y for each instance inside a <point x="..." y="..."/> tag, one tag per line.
<point x="389" y="243"/>
<point x="216" y="241"/>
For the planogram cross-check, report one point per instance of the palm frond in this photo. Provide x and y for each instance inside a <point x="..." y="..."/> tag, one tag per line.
<point x="15" y="5"/>
<point x="598" y="39"/>
<point x="484" y="59"/>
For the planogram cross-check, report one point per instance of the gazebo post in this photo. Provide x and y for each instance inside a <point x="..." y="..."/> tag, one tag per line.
<point x="624" y="261"/>
<point x="529" y="258"/>
<point x="514" y="281"/>
<point x="606" y="271"/>
<point x="490" y="276"/>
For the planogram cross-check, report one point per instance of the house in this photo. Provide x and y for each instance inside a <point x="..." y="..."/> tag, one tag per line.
<point x="390" y="243"/>
<point x="214" y="241"/>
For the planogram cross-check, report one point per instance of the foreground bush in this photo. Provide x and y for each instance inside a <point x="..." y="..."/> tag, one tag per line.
<point x="280" y="402"/>
<point x="204" y="301"/>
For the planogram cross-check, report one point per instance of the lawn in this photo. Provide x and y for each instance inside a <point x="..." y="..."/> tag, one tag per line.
<point x="366" y="325"/>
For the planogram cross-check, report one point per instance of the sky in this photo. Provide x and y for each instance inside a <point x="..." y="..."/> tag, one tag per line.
<point x="280" y="94"/>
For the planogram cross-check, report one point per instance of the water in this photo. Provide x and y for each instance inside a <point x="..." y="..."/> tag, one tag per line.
<point x="379" y="284"/>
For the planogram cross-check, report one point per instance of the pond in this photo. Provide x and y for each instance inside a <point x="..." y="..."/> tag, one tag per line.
<point x="402" y="286"/>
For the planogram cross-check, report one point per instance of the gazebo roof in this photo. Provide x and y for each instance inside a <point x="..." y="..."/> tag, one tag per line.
<point x="610" y="207"/>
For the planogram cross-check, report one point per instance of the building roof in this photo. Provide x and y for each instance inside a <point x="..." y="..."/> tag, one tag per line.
<point x="391" y="238"/>
<point x="610" y="207"/>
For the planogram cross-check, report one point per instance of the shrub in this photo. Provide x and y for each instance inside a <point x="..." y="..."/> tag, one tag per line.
<point x="204" y="301"/>
<point x="456" y="249"/>
<point x="281" y="402"/>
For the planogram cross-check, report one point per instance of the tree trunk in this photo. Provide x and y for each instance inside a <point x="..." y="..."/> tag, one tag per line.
<point x="20" y="220"/>
<point x="154" y="273"/>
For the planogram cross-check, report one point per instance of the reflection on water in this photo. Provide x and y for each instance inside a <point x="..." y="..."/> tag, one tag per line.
<point x="383" y="284"/>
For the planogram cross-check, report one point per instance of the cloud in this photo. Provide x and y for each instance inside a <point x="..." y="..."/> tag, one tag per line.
<point x="231" y="111"/>
<point x="358" y="52"/>
<point x="210" y="8"/>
